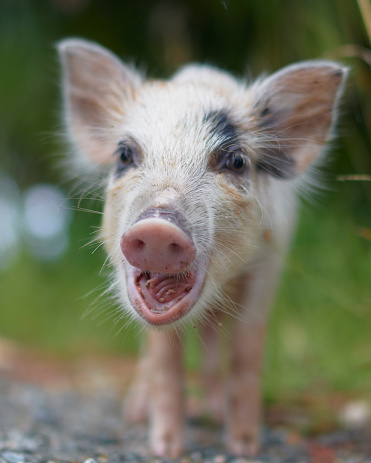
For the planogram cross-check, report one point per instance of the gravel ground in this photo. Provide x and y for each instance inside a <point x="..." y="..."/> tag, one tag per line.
<point x="42" y="424"/>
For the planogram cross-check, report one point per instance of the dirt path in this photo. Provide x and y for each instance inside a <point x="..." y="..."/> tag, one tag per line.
<point x="55" y="414"/>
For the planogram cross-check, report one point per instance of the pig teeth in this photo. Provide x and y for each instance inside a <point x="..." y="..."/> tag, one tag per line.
<point x="161" y="292"/>
<point x="148" y="283"/>
<point x="159" y="310"/>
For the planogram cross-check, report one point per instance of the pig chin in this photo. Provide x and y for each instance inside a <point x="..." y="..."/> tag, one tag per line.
<point x="162" y="299"/>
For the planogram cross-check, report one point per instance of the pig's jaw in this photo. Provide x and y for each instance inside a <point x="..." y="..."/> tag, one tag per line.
<point x="162" y="299"/>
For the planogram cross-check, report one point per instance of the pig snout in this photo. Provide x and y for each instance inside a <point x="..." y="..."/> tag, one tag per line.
<point x="158" y="243"/>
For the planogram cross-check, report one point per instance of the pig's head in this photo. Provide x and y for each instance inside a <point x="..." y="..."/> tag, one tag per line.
<point x="194" y="165"/>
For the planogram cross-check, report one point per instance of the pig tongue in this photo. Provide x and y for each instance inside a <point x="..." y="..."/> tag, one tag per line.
<point x="161" y="292"/>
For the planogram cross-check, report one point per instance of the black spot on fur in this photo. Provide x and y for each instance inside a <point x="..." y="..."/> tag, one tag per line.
<point x="227" y="137"/>
<point x="276" y="163"/>
<point x="268" y="118"/>
<point x="265" y="112"/>
<point x="222" y="126"/>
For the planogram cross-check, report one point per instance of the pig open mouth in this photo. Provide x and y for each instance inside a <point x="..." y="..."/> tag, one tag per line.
<point x="163" y="298"/>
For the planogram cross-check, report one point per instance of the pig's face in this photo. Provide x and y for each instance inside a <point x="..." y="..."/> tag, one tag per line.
<point x="182" y="156"/>
<point x="195" y="164"/>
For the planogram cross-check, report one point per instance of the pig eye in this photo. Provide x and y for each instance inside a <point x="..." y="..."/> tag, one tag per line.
<point x="126" y="154"/>
<point x="236" y="161"/>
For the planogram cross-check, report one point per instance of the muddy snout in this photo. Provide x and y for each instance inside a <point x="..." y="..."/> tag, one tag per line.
<point x="159" y="242"/>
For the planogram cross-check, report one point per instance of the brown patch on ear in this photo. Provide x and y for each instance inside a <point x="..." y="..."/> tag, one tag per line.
<point x="97" y="87"/>
<point x="267" y="235"/>
<point x="297" y="110"/>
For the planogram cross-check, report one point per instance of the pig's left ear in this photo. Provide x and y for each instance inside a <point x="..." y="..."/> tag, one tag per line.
<point x="295" y="110"/>
<point x="97" y="87"/>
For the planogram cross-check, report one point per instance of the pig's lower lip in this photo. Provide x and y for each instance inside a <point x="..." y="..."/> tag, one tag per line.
<point x="163" y="299"/>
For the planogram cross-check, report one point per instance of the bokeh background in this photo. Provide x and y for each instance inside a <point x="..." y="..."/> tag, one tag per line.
<point x="320" y="330"/>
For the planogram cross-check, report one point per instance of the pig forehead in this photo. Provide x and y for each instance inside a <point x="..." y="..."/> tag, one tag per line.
<point x="180" y="98"/>
<point x="171" y="113"/>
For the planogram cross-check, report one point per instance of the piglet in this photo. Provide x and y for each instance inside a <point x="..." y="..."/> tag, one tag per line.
<point x="203" y="171"/>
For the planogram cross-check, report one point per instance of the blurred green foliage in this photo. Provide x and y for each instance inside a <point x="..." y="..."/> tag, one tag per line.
<point x="321" y="325"/>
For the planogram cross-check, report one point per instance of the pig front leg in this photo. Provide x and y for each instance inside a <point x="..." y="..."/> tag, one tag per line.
<point x="211" y="371"/>
<point x="243" y="417"/>
<point x="136" y="404"/>
<point x="167" y="394"/>
<point x="243" y="414"/>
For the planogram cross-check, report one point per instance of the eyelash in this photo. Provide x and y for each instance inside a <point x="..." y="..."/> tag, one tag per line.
<point x="234" y="160"/>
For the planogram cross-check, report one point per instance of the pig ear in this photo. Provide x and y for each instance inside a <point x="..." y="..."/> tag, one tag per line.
<point x="97" y="87"/>
<point x="295" y="111"/>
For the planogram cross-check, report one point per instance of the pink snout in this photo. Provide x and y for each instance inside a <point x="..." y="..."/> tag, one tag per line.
<point x="158" y="245"/>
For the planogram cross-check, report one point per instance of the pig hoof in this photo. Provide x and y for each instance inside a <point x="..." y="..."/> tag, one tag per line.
<point x="167" y="445"/>
<point x="243" y="446"/>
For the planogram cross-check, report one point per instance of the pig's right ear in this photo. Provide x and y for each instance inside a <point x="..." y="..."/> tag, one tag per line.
<point x="295" y="110"/>
<point x="97" y="87"/>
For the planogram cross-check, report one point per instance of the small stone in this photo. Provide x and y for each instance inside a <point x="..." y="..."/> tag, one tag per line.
<point x="46" y="416"/>
<point x="90" y="460"/>
<point x="355" y="414"/>
<point x="245" y="460"/>
<point x="220" y="459"/>
<point x="196" y="456"/>
<point x="13" y="457"/>
<point x="293" y="438"/>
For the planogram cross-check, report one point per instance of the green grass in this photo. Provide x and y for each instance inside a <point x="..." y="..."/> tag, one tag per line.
<point x="46" y="304"/>
<point x="320" y="328"/>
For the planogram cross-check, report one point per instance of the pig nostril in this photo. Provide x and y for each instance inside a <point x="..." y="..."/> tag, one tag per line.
<point x="156" y="245"/>
<point x="138" y="245"/>
<point x="174" y="248"/>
